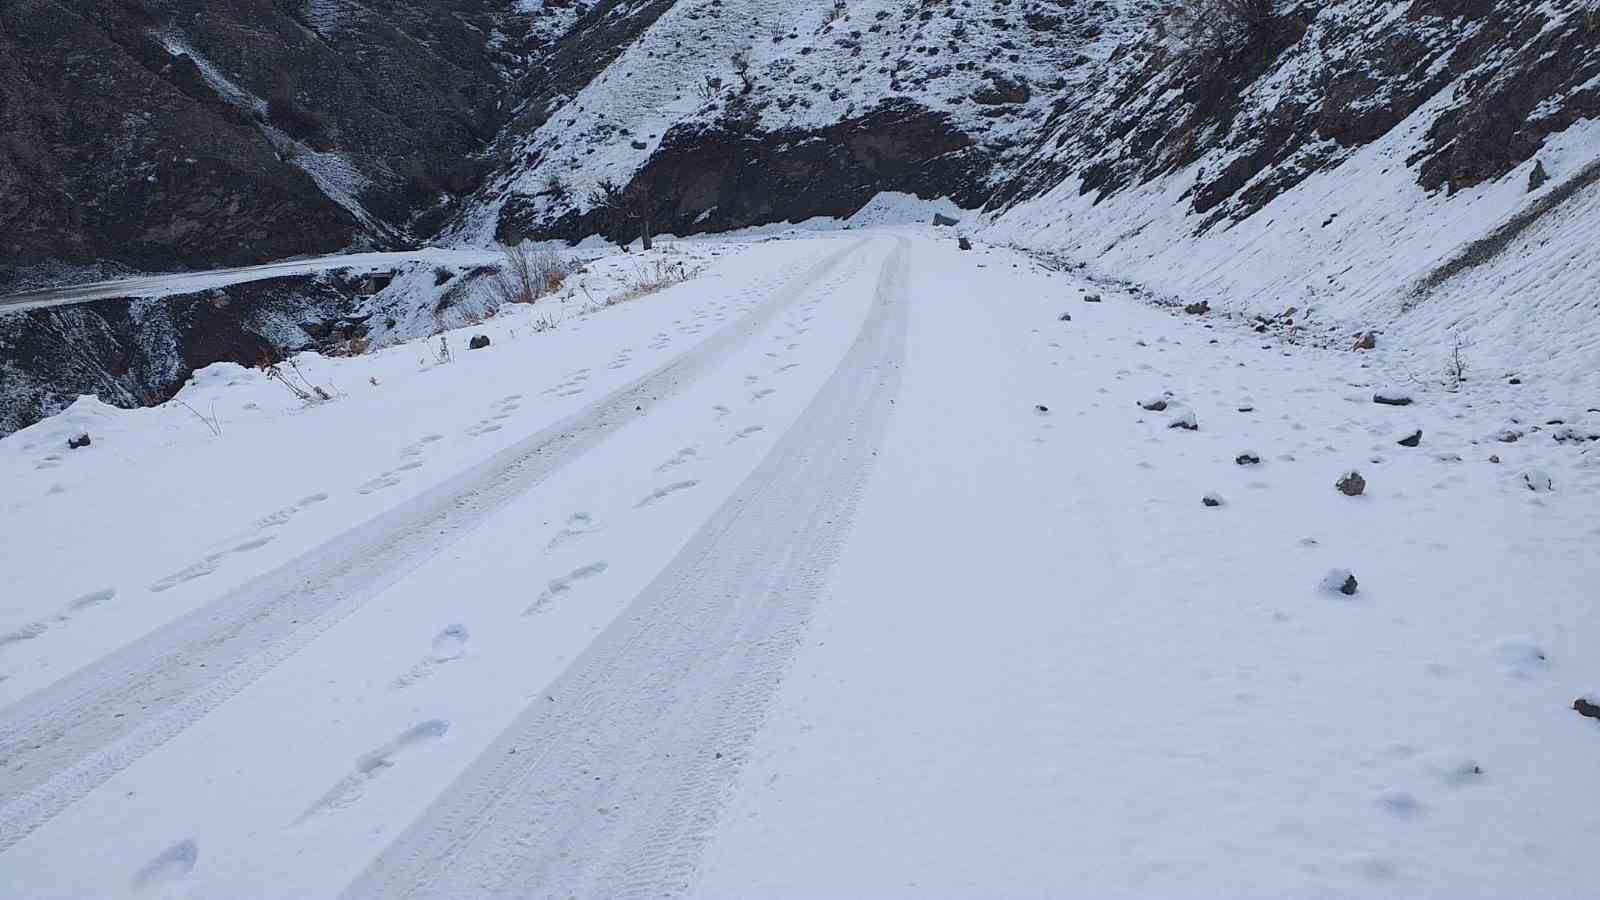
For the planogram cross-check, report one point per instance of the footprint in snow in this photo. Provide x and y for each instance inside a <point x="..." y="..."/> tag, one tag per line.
<point x="199" y="570"/>
<point x="661" y="493"/>
<point x="686" y="455"/>
<point x="743" y="433"/>
<point x="763" y="394"/>
<point x="93" y="598"/>
<point x="373" y="764"/>
<point x="382" y="482"/>
<point x="448" y="645"/>
<point x="562" y="585"/>
<point x="578" y="525"/>
<point x="170" y="865"/>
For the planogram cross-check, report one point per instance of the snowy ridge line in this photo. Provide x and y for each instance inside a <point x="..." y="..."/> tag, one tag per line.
<point x="58" y="744"/>
<point x="611" y="782"/>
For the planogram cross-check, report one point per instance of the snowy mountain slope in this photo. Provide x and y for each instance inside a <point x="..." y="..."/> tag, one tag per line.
<point x="688" y="594"/>
<point x="1374" y="170"/>
<point x="967" y="85"/>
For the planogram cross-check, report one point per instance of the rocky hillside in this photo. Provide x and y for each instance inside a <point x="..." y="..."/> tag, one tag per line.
<point x="1427" y="168"/>
<point x="716" y="114"/>
<point x="161" y="134"/>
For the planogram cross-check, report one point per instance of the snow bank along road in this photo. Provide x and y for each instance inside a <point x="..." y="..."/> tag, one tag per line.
<point x="850" y="568"/>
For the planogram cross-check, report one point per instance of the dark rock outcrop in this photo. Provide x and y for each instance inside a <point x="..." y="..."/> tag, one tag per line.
<point x="138" y="353"/>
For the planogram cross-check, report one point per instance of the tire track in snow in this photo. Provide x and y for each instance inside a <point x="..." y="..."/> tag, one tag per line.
<point x="60" y="743"/>
<point x="611" y="782"/>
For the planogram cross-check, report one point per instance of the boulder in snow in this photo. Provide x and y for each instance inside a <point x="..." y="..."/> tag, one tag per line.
<point x="1411" y="440"/>
<point x="963" y="243"/>
<point x="1153" y="404"/>
<point x="81" y="440"/>
<point x="1538" y="481"/>
<point x="1392" y="398"/>
<point x="1197" y="309"/>
<point x="1184" y="419"/>
<point x="1585" y="706"/>
<point x="1091" y="298"/>
<point x="1246" y="458"/>
<point x="1351" y="484"/>
<point x="478" y="342"/>
<point x="1538" y="177"/>
<point x="941" y="220"/>
<point x="1367" y="341"/>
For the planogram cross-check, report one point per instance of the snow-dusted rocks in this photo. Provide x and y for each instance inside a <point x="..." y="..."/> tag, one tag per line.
<point x="1247" y="458"/>
<point x="1351" y="484"/>
<point x="1153" y="404"/>
<point x="1183" y="419"/>
<point x="1538" y="481"/>
<point x="1340" y="581"/>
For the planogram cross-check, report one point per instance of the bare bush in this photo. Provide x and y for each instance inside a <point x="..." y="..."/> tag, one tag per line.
<point x="741" y="68"/>
<point x="839" y="10"/>
<point x="1212" y="32"/>
<point x="644" y="281"/>
<point x="1455" y="366"/>
<point x="527" y="273"/>
<point x="294" y="380"/>
<point x="556" y="188"/>
<point x="620" y="207"/>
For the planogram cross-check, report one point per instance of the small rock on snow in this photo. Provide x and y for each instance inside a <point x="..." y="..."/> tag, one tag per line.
<point x="1391" y="398"/>
<point x="1538" y="481"/>
<point x="1154" y="404"/>
<point x="1586" y="707"/>
<point x="1040" y="408"/>
<point x="478" y="342"/>
<point x="1411" y="440"/>
<point x="1341" y="581"/>
<point x="1091" y="298"/>
<point x="1351" y="484"/>
<point x="1212" y="499"/>
<point x="1197" y="309"/>
<point x="1246" y="459"/>
<point x="1064" y="317"/>
<point x="81" y="440"/>
<point x="1184" y="419"/>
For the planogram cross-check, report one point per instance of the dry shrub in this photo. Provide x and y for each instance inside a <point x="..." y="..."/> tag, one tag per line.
<point x="528" y="273"/>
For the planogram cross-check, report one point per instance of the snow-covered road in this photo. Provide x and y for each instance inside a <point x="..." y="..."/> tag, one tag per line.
<point x="851" y="567"/>
<point x="188" y="282"/>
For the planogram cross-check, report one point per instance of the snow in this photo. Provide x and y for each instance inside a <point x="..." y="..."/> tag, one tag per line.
<point x="1353" y="248"/>
<point x="777" y="582"/>
<point x="807" y="73"/>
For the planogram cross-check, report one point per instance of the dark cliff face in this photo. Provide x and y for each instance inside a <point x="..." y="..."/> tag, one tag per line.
<point x="182" y="133"/>
<point x="717" y="177"/>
